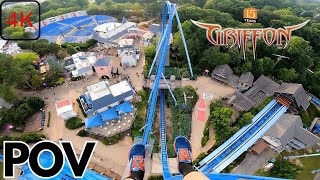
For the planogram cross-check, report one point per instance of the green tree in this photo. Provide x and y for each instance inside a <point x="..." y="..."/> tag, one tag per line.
<point x="28" y="57"/>
<point x="54" y="65"/>
<point x="263" y="66"/>
<point x="35" y="103"/>
<point x="220" y="119"/>
<point x="300" y="53"/>
<point x="213" y="57"/>
<point x="287" y="75"/>
<point x="71" y="50"/>
<point x="14" y="32"/>
<point x="154" y="9"/>
<point x="285" y="169"/>
<point x="25" y="44"/>
<point x="8" y="93"/>
<point x="12" y="72"/>
<point x="36" y="81"/>
<point x="247" y="67"/>
<point x="245" y="119"/>
<point x="54" y="48"/>
<point x="62" y="54"/>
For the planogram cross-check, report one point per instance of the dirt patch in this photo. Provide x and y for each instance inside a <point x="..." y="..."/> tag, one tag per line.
<point x="168" y="122"/>
<point x="33" y="122"/>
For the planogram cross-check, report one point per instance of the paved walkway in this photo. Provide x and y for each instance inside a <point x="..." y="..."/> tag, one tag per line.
<point x="107" y="156"/>
<point x="246" y="166"/>
<point x="204" y="85"/>
<point x="202" y="110"/>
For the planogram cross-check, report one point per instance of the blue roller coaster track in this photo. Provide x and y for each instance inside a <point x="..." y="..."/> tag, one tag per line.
<point x="231" y="148"/>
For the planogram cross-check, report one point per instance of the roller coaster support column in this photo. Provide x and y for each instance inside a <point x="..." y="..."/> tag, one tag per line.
<point x="184" y="41"/>
<point x="301" y="156"/>
<point x="175" y="13"/>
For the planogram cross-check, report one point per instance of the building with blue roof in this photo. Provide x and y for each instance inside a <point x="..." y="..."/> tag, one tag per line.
<point x="101" y="96"/>
<point x="109" y="114"/>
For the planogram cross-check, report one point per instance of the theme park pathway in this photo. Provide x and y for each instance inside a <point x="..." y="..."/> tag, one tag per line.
<point x="112" y="158"/>
<point x="204" y="85"/>
<point x="135" y="74"/>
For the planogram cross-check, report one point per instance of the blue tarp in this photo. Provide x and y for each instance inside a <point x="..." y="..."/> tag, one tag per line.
<point x="317" y="101"/>
<point x="317" y="128"/>
<point x="109" y="114"/>
<point x="124" y="108"/>
<point x="46" y="160"/>
<point x="93" y="121"/>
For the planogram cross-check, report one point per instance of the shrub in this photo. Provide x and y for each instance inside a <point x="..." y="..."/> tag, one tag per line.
<point x="199" y="158"/>
<point x="205" y="137"/>
<point x="76" y="78"/>
<point x="82" y="133"/>
<point x="82" y="46"/>
<point x="27" y="138"/>
<point x="74" y="123"/>
<point x="60" y="81"/>
<point x="139" y="121"/>
<point x="309" y="115"/>
<point x="49" y="118"/>
<point x="112" y="140"/>
<point x="204" y="140"/>
<point x="160" y="177"/>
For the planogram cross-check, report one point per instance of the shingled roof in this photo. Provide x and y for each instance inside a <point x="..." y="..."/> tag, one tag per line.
<point x="266" y="84"/>
<point x="240" y="102"/>
<point x="247" y="78"/>
<point x="290" y="127"/>
<point x="5" y="104"/>
<point x="284" y="129"/>
<point x="298" y="93"/>
<point x="223" y="71"/>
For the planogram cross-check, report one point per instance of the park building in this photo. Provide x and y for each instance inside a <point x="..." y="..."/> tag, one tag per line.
<point x="82" y="65"/>
<point x="262" y="88"/>
<point x="65" y="109"/>
<point x="129" y="58"/>
<point x="245" y="81"/>
<point x="102" y="96"/>
<point x="224" y="74"/>
<point x="125" y="45"/>
<point x="103" y="67"/>
<point x="109" y="108"/>
<point x="287" y="133"/>
<point x="295" y="94"/>
<point x="111" y="33"/>
<point x="290" y="94"/>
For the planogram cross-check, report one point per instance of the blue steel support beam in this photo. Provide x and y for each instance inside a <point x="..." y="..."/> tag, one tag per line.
<point x="164" y="29"/>
<point x="154" y="93"/>
<point x="184" y="41"/>
<point x="164" y="78"/>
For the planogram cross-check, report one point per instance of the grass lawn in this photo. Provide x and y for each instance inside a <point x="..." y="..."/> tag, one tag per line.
<point x="1" y="171"/>
<point x="308" y="164"/>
